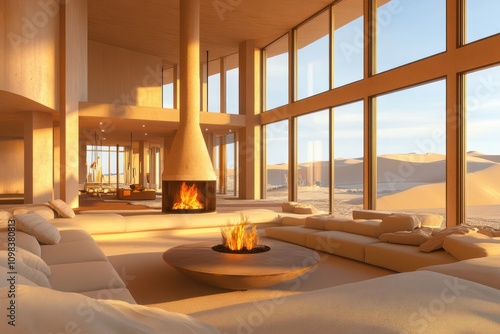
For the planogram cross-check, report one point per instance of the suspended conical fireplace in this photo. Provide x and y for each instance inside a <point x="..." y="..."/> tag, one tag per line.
<point x="189" y="176"/>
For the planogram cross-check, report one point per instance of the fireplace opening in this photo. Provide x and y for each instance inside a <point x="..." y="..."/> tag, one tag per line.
<point x="188" y="196"/>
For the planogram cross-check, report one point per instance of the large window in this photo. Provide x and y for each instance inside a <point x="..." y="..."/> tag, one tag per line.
<point x="277" y="160"/>
<point x="313" y="56"/>
<point x="348" y="157"/>
<point x="481" y="19"/>
<point x="231" y="64"/>
<point x="408" y="30"/>
<point x="348" y="42"/>
<point x="411" y="145"/>
<point x="168" y="88"/>
<point x="214" y="86"/>
<point x="313" y="151"/>
<point x="483" y="146"/>
<point x="101" y="164"/>
<point x="276" y="74"/>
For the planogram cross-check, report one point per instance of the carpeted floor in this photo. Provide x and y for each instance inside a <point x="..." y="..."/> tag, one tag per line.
<point x="138" y="259"/>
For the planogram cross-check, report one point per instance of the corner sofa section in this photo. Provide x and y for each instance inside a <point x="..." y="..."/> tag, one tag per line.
<point x="357" y="238"/>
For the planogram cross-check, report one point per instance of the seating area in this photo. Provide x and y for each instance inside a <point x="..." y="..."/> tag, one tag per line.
<point x="57" y="254"/>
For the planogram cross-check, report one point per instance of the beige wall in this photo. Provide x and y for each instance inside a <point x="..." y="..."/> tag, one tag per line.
<point x="121" y="76"/>
<point x="12" y="171"/>
<point x="29" y="32"/>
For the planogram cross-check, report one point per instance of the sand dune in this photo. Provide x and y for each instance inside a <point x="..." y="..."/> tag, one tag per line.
<point x="407" y="181"/>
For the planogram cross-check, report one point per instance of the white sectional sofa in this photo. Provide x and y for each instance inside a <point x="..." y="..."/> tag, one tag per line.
<point x="75" y="289"/>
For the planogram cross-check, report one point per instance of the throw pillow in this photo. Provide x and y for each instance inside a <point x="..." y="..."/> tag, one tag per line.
<point x="62" y="209"/>
<point x="21" y="268"/>
<point x="35" y="225"/>
<point x="415" y="237"/>
<point x="29" y="259"/>
<point x="436" y="242"/>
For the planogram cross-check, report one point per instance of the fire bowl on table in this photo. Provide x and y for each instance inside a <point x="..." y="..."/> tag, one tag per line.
<point x="283" y="262"/>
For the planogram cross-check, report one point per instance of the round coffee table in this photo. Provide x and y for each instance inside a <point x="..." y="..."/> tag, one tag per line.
<point x="284" y="262"/>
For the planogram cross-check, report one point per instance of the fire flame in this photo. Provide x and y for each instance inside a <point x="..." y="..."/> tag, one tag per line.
<point x="188" y="198"/>
<point x="239" y="236"/>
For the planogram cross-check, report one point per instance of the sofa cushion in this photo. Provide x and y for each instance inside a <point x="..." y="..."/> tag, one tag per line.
<point x="43" y="210"/>
<point x="415" y="237"/>
<point x="294" y="207"/>
<point x="5" y="273"/>
<point x="483" y="270"/>
<point x="294" y="234"/>
<point x="19" y="266"/>
<point x="398" y="222"/>
<point x="30" y="259"/>
<point x="337" y="223"/>
<point x="85" y="276"/>
<point x="340" y="243"/>
<point x="63" y="209"/>
<point x="403" y="258"/>
<point x="49" y="311"/>
<point x="363" y="227"/>
<point x="436" y="242"/>
<point x="72" y="251"/>
<point x="37" y="226"/>
<point x="464" y="247"/>
<point x="370" y="214"/>
<point x="292" y="221"/>
<point x="429" y="219"/>
<point x="22" y="240"/>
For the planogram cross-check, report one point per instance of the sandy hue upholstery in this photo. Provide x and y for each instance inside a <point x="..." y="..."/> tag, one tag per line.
<point x="4" y="219"/>
<point x="292" y="221"/>
<point x="368" y="228"/>
<point x="24" y="241"/>
<point x="398" y="222"/>
<point x="340" y="243"/>
<point x="403" y="258"/>
<point x="436" y="242"/>
<point x="23" y="269"/>
<point x="84" y="276"/>
<point x="62" y="209"/>
<point x="19" y="279"/>
<point x="37" y="226"/>
<point x="429" y="220"/>
<point x="390" y="304"/>
<point x="294" y="207"/>
<point x="464" y="247"/>
<point x="415" y="237"/>
<point x="107" y="294"/>
<point x="43" y="210"/>
<point x="370" y="214"/>
<point x="294" y="234"/>
<point x="57" y="312"/>
<point x="30" y="259"/>
<point x="484" y="270"/>
<point x="74" y="251"/>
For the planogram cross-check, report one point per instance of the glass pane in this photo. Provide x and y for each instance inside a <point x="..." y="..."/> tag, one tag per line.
<point x="214" y="86"/>
<point x="408" y="30"/>
<point x="231" y="168"/>
<point x="411" y="147"/>
<point x="168" y="88"/>
<point x="313" y="177"/>
<point x="276" y="76"/>
<point x="348" y="42"/>
<point x="313" y="56"/>
<point x="483" y="147"/>
<point x="277" y="160"/>
<point x="232" y="84"/>
<point x="348" y="158"/>
<point x="481" y="19"/>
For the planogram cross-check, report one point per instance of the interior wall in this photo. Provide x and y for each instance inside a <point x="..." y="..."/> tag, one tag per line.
<point x="29" y="31"/>
<point x="121" y="76"/>
<point x="12" y="171"/>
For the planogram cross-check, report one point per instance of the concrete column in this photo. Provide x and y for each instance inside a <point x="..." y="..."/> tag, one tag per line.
<point x="143" y="163"/>
<point x="38" y="157"/>
<point x="74" y="82"/>
<point x="250" y="137"/>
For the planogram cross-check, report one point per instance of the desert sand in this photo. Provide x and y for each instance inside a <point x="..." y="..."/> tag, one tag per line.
<point x="406" y="182"/>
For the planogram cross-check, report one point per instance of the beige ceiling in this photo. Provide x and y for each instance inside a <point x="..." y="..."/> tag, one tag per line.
<point x="152" y="26"/>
